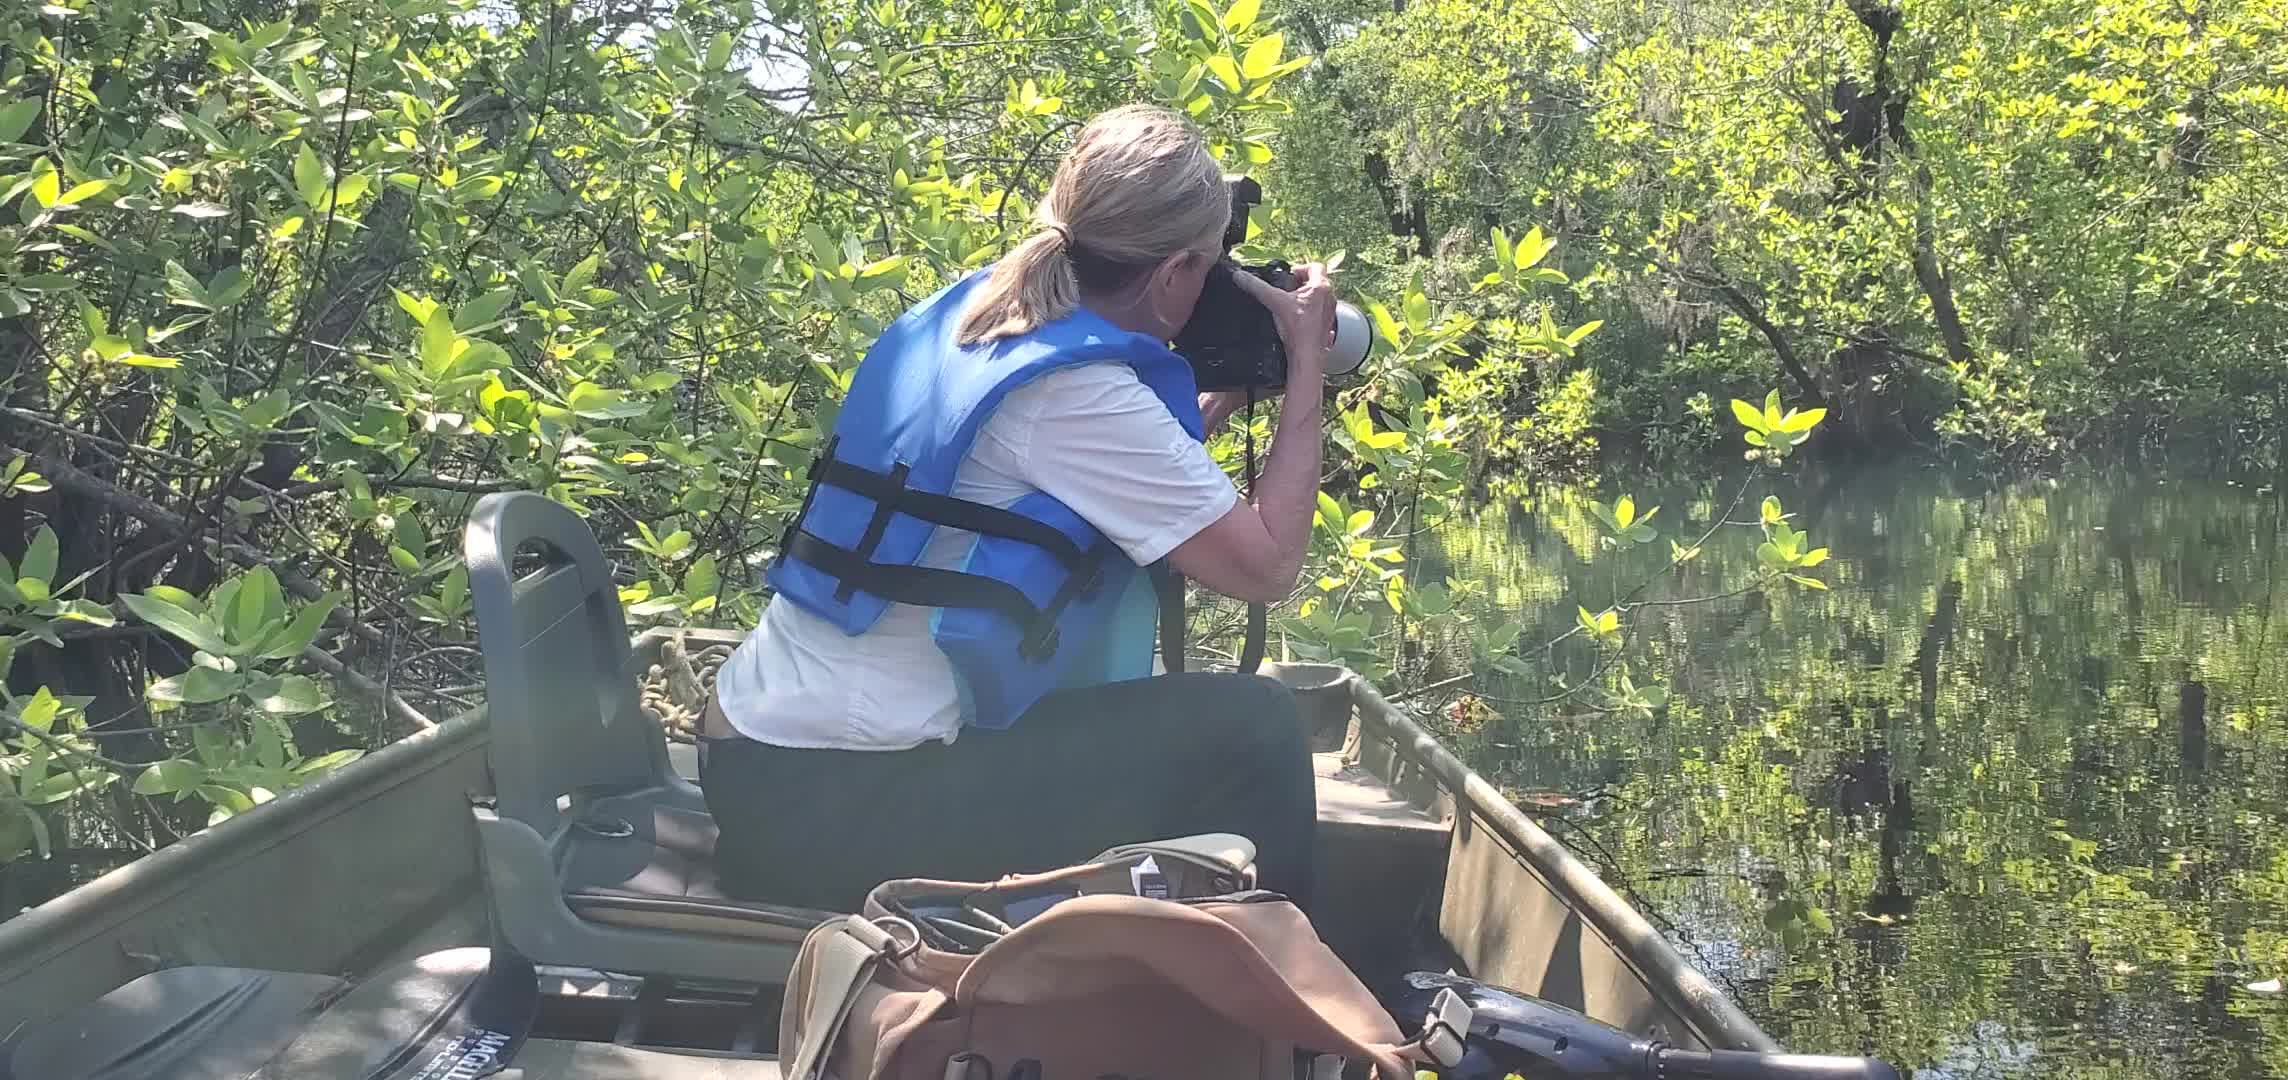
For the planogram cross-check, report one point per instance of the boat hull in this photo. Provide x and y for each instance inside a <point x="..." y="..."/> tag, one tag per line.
<point x="1422" y="864"/>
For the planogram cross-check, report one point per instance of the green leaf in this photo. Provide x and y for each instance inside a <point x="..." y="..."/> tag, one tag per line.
<point x="1359" y="522"/>
<point x="455" y="589"/>
<point x="348" y="190"/>
<point x="1384" y="323"/>
<point x="1417" y="310"/>
<point x="1503" y="253"/>
<point x="481" y="311"/>
<point x="40" y="557"/>
<point x="82" y="192"/>
<point x="822" y="246"/>
<point x="47" y="188"/>
<point x="324" y="763"/>
<point x="1241" y="14"/>
<point x="1803" y="421"/>
<point x="258" y="603"/>
<point x="702" y="579"/>
<point x="294" y="695"/>
<point x="184" y="289"/>
<point x="1808" y="582"/>
<point x="196" y="630"/>
<point x="1330" y="511"/>
<point x="438" y="339"/>
<point x="1225" y="71"/>
<point x="1813" y="558"/>
<point x="90" y="612"/>
<point x="1772" y="411"/>
<point x="311" y="177"/>
<point x="1749" y="416"/>
<point x="197" y="686"/>
<point x="582" y="272"/>
<point x="170" y="776"/>
<point x="227" y="802"/>
<point x="40" y="710"/>
<point x="1533" y="248"/>
<point x="596" y="403"/>
<point x="16" y="118"/>
<point x="68" y="785"/>
<point x="269" y="742"/>
<point x="420" y="307"/>
<point x="1769" y="554"/>
<point x="1263" y="56"/>
<point x="1773" y="514"/>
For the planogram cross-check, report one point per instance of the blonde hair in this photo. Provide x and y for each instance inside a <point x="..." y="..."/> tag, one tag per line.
<point x="1138" y="186"/>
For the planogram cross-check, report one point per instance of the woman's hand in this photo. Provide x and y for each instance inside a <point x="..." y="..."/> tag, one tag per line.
<point x="1305" y="317"/>
<point x="1217" y="406"/>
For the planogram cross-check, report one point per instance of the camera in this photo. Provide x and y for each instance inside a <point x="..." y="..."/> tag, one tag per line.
<point x="1231" y="341"/>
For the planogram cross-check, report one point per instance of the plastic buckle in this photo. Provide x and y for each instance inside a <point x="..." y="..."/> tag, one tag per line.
<point x="1446" y="1028"/>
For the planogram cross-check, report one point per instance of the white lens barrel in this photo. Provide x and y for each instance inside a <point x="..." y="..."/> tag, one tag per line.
<point x="1354" y="338"/>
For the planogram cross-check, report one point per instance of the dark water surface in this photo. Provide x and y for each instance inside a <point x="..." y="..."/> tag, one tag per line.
<point x="2008" y="801"/>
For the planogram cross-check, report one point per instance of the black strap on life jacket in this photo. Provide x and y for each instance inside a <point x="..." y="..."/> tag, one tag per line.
<point x="854" y="569"/>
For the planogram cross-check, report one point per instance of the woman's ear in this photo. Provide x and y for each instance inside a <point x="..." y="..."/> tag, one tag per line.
<point x="1168" y="276"/>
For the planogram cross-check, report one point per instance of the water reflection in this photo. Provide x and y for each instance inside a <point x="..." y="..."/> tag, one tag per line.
<point x="2007" y="801"/>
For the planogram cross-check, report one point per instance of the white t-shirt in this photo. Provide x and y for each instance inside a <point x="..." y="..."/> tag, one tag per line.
<point x="1095" y="438"/>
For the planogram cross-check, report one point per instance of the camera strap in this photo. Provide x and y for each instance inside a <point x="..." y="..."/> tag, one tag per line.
<point x="1258" y="615"/>
<point x="1175" y="618"/>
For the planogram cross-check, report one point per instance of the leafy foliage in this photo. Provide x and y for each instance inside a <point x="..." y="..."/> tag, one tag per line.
<point x="283" y="291"/>
<point x="2013" y="229"/>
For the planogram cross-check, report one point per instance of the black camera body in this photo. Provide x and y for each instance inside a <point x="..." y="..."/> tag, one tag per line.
<point x="1231" y="341"/>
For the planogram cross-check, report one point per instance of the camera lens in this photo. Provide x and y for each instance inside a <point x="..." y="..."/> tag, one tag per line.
<point x="1354" y="338"/>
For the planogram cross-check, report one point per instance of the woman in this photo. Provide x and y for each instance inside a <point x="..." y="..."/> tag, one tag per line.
<point x="950" y="680"/>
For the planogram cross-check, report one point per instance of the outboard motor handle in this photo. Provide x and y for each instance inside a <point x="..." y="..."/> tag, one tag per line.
<point x="1518" y="1033"/>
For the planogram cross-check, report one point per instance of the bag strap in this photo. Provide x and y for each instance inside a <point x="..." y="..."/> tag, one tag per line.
<point x="844" y="954"/>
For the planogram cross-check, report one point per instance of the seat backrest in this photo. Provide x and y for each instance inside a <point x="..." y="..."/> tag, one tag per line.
<point x="559" y="698"/>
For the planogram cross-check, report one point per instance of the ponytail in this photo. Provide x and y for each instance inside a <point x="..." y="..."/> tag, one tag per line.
<point x="1030" y="288"/>
<point x="1138" y="186"/>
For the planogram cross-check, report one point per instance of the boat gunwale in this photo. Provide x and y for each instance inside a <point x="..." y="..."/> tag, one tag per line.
<point x="1683" y="989"/>
<point x="84" y="911"/>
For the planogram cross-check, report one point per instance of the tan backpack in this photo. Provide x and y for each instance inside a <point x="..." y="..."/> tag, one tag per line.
<point x="1151" y="961"/>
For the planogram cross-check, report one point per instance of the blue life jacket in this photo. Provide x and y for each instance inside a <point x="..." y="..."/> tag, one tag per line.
<point x="1044" y="601"/>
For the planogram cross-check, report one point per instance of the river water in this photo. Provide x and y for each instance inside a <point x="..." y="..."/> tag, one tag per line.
<point x="2009" y="800"/>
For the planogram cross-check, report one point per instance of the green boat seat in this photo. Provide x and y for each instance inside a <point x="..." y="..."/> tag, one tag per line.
<point x="451" y="1015"/>
<point x="651" y="866"/>
<point x="596" y="853"/>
